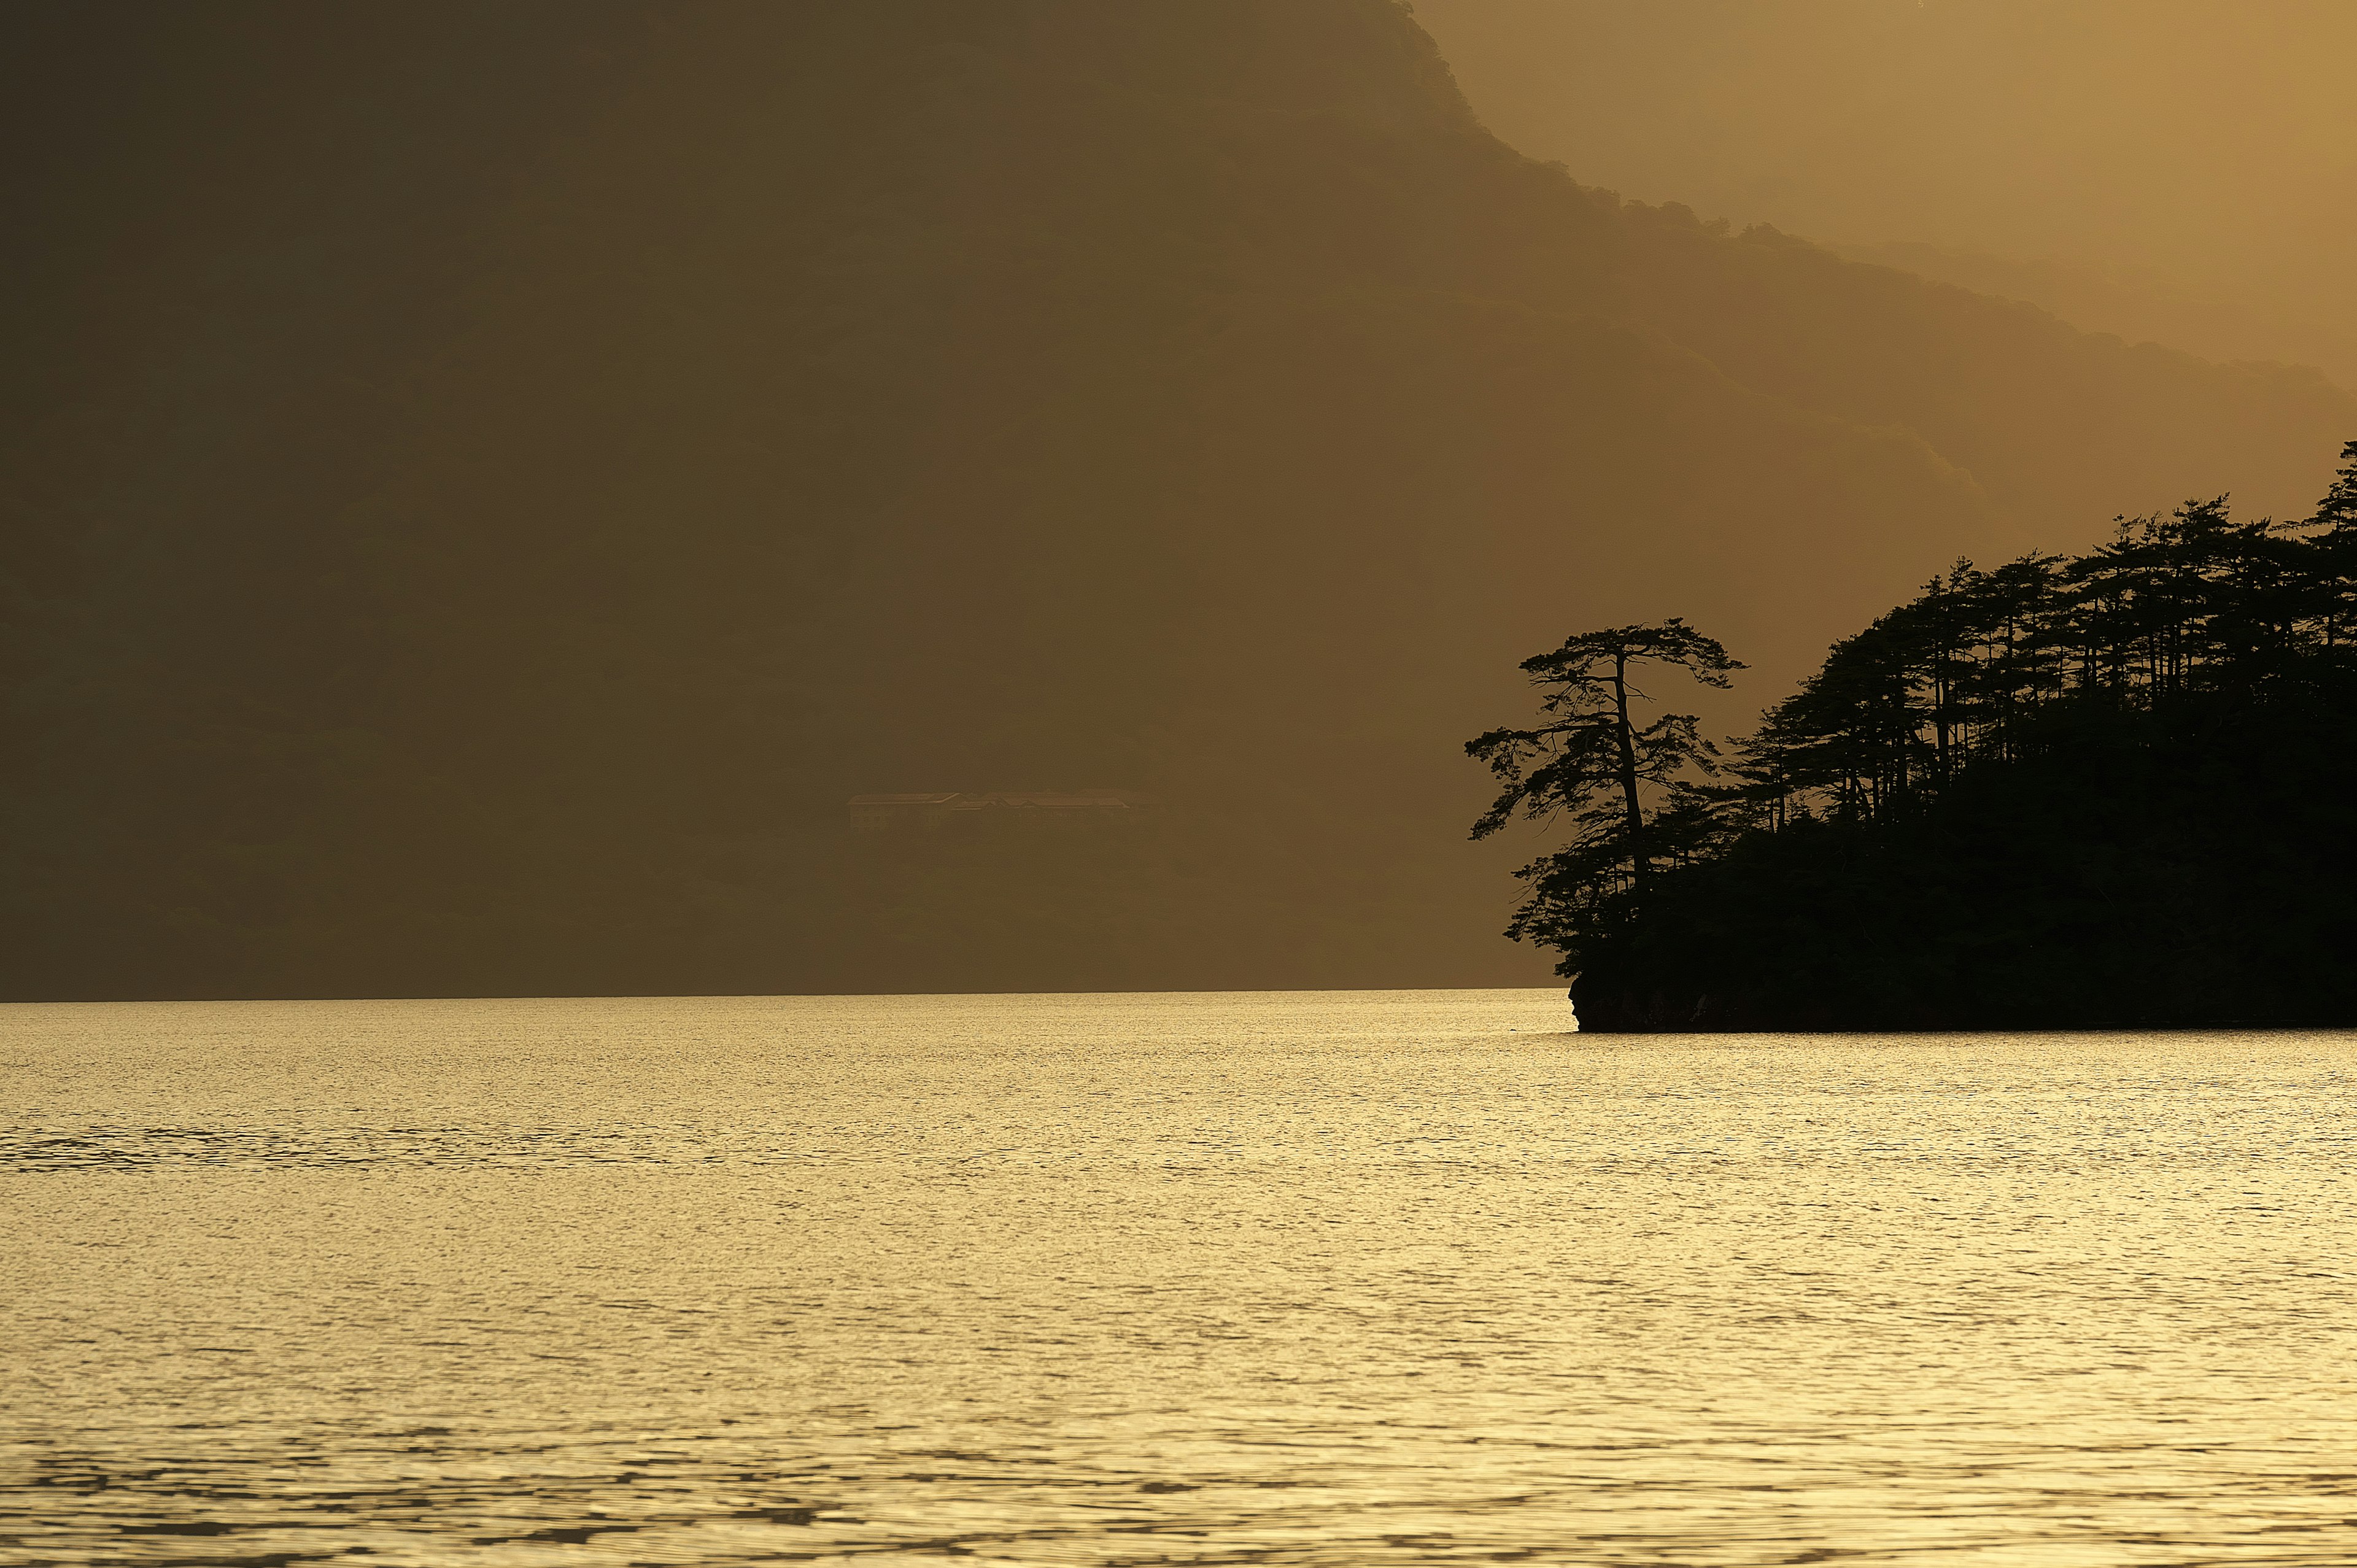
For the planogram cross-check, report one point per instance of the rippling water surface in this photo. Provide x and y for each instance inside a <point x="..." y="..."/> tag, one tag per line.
<point x="1339" y="1278"/>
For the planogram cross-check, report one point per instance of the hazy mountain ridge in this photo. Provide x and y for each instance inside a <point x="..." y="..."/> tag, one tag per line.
<point x="808" y="400"/>
<point x="2134" y="305"/>
<point x="2181" y="167"/>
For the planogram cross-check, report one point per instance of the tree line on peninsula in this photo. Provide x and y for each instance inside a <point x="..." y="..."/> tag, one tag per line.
<point x="2103" y="789"/>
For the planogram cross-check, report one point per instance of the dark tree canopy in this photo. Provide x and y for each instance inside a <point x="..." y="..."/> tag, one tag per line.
<point x="1624" y="787"/>
<point x="2109" y="789"/>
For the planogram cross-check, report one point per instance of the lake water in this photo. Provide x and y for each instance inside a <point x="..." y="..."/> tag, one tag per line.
<point x="1339" y="1278"/>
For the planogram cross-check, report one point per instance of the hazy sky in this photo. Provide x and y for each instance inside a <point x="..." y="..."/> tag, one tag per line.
<point x="2198" y="158"/>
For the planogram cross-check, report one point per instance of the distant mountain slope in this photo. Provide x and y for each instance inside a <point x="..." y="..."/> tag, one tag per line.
<point x="2172" y="170"/>
<point x="477" y="537"/>
<point x="2140" y="305"/>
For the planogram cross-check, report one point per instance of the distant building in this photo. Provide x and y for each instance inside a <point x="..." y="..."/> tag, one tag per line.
<point x="1062" y="808"/>
<point x="1020" y="810"/>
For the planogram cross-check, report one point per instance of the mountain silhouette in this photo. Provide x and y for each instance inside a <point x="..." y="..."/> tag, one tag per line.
<point x="494" y="483"/>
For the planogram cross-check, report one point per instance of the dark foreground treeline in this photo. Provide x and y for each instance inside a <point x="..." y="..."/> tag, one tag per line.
<point x="2108" y="790"/>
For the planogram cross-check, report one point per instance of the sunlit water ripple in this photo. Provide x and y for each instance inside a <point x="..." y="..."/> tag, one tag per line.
<point x="1410" y="1277"/>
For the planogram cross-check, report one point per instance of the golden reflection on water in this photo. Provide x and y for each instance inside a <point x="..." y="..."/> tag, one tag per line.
<point x="1407" y="1277"/>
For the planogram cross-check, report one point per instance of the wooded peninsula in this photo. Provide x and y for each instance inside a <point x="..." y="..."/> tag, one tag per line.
<point x="2068" y="792"/>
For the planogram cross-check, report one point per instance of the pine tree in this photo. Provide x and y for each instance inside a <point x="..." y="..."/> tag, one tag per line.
<point x="1592" y="762"/>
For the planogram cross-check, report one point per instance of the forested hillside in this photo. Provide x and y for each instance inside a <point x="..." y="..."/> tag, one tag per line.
<point x="486" y="484"/>
<point x="2106" y="790"/>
